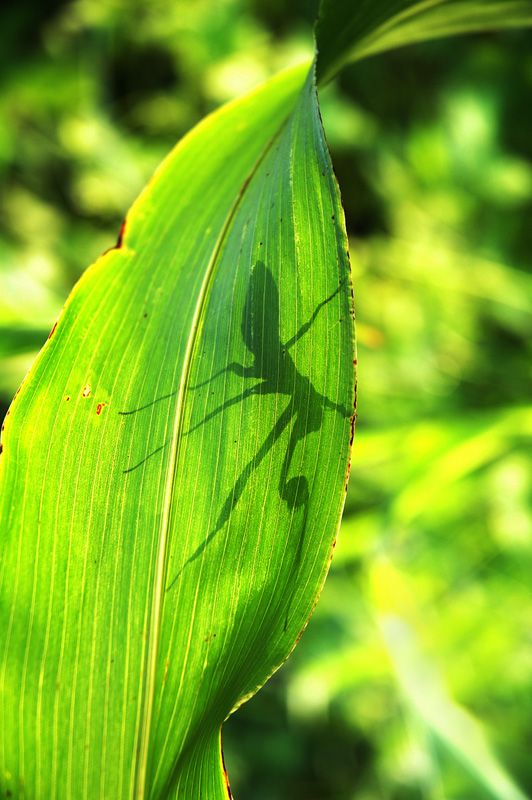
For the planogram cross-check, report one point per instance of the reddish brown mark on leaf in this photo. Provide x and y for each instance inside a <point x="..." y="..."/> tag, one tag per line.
<point x="99" y="408"/>
<point x="353" y="420"/>
<point x="229" y="795"/>
<point x="52" y="331"/>
<point x="15" y="397"/>
<point x="121" y="236"/>
<point x="86" y="391"/>
<point x="119" y="241"/>
<point x="165" y="671"/>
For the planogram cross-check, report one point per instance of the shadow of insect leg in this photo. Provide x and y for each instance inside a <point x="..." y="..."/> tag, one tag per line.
<point x="144" y="460"/>
<point x="295" y="492"/>
<point x="227" y="404"/>
<point x="234" y="366"/>
<point x="241" y="483"/>
<point x="148" y="405"/>
<point x="340" y="409"/>
<point x="307" y="325"/>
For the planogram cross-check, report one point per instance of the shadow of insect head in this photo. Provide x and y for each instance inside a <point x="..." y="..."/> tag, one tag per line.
<point x="275" y="372"/>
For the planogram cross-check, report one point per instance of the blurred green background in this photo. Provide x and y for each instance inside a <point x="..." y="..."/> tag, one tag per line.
<point x="414" y="677"/>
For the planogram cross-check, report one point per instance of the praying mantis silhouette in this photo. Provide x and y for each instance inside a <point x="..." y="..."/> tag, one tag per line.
<point x="275" y="372"/>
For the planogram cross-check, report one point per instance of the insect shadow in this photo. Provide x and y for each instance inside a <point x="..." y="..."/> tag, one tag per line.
<point x="275" y="372"/>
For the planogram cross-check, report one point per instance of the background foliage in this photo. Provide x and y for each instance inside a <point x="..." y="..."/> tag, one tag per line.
<point x="413" y="679"/>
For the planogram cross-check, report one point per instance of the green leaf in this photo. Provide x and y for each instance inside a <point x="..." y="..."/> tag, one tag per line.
<point x="174" y="466"/>
<point x="347" y="31"/>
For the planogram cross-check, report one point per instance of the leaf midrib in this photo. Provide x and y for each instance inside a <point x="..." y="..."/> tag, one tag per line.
<point x="158" y="592"/>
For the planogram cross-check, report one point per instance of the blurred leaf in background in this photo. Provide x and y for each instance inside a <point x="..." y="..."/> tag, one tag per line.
<point x="413" y="679"/>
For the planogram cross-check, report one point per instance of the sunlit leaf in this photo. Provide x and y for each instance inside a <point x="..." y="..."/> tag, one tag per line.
<point x="174" y="467"/>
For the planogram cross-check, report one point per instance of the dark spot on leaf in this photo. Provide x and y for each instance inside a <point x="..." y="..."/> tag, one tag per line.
<point x="353" y="420"/>
<point x="67" y="398"/>
<point x="347" y="476"/>
<point x="121" y="236"/>
<point x="229" y="795"/>
<point x="119" y="241"/>
<point x="145" y="315"/>
<point x="332" y="217"/>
